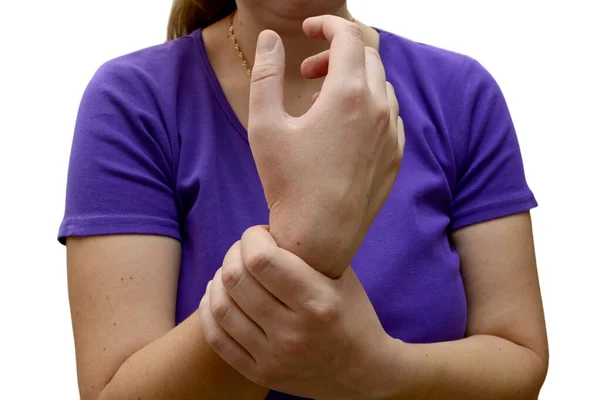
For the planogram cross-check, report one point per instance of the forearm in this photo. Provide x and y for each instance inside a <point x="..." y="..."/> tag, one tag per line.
<point x="180" y="365"/>
<point x="478" y="367"/>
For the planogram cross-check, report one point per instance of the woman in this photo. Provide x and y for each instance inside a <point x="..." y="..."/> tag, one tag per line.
<point x="184" y="151"/>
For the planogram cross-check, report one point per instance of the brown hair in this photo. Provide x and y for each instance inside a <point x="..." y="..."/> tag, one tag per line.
<point x="189" y="15"/>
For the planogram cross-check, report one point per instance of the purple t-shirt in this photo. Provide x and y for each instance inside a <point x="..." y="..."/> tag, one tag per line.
<point x="158" y="150"/>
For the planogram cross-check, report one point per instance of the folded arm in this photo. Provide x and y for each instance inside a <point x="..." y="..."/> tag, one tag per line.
<point x="505" y="353"/>
<point x="122" y="291"/>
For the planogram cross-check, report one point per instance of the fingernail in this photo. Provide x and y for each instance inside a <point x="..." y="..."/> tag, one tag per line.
<point x="266" y="42"/>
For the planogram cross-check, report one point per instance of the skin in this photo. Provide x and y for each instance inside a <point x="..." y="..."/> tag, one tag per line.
<point x="288" y="327"/>
<point x="347" y="172"/>
<point x="126" y="342"/>
<point x="285" y="326"/>
<point x="311" y="237"/>
<point x="128" y="346"/>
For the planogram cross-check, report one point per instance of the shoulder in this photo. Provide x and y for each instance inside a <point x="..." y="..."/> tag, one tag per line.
<point x="154" y="70"/>
<point x="440" y="70"/>
<point x="133" y="97"/>
<point x="453" y="92"/>
<point x="455" y="87"/>
<point x="161" y="58"/>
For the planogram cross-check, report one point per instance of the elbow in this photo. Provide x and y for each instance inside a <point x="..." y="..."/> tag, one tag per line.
<point x="105" y="394"/>
<point x="94" y="393"/>
<point x="98" y="392"/>
<point x="538" y="373"/>
<point x="541" y="367"/>
<point x="542" y="372"/>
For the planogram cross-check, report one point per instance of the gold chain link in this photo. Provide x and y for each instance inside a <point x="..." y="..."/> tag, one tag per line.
<point x="236" y="45"/>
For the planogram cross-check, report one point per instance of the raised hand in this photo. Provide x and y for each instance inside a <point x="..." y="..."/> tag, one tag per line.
<point x="327" y="173"/>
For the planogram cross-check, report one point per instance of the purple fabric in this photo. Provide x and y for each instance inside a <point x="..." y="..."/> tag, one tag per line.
<point x="158" y="150"/>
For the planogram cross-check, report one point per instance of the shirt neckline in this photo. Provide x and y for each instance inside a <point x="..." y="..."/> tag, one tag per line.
<point x="220" y="93"/>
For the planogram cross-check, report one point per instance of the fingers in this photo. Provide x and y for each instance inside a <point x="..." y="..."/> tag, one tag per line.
<point x="347" y="47"/>
<point x="375" y="73"/>
<point x="249" y="295"/>
<point x="237" y="324"/>
<point x="395" y="112"/>
<point x="266" y="87"/>
<point x="221" y="343"/>
<point x="316" y="66"/>
<point x="401" y="137"/>
<point x="282" y="273"/>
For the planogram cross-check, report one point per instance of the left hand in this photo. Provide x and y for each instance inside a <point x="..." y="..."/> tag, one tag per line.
<point x="289" y="328"/>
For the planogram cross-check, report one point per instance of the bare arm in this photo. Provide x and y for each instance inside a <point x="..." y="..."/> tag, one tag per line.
<point x="122" y="291"/>
<point x="505" y="354"/>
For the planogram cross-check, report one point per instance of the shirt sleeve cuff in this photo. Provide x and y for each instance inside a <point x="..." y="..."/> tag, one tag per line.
<point x="115" y="225"/>
<point x="493" y="211"/>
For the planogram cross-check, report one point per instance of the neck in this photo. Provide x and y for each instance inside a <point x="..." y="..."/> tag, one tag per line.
<point x="250" y="21"/>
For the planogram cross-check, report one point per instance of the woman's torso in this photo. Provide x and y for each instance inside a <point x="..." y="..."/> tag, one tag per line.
<point x="406" y="262"/>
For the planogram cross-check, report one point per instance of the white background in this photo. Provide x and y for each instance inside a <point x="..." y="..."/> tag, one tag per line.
<point x="544" y="54"/>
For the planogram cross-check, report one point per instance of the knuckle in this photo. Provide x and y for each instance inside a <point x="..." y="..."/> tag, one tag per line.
<point x="401" y="122"/>
<point x="252" y="231"/>
<point x="370" y="51"/>
<point x="231" y="275"/>
<point x="263" y="72"/>
<point x="355" y="91"/>
<point x="392" y="94"/>
<point x="214" y="340"/>
<point x="326" y="312"/>
<point x="259" y="259"/>
<point x="400" y="125"/>
<point x="401" y="142"/>
<point x="219" y="310"/>
<point x="382" y="113"/>
<point x="292" y="343"/>
<point x="353" y="29"/>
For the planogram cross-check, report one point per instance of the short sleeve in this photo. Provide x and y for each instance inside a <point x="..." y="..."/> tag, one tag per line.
<point x="490" y="175"/>
<point x="120" y="178"/>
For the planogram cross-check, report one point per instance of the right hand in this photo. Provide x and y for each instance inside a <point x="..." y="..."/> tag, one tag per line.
<point x="327" y="173"/>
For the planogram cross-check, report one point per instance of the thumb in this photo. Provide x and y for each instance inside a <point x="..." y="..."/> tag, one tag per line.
<point x="266" y="87"/>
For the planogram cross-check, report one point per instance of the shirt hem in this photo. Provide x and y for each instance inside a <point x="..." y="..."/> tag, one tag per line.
<point x="493" y="211"/>
<point x="117" y="225"/>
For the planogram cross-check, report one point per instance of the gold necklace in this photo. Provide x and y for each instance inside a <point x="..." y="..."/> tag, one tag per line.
<point x="238" y="49"/>
<point x="236" y="45"/>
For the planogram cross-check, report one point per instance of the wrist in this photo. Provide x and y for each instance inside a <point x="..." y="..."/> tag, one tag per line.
<point x="400" y="371"/>
<point x="373" y="377"/>
<point x="318" y="241"/>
